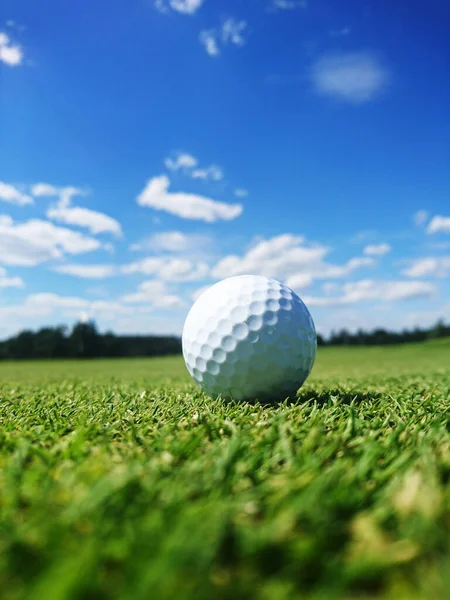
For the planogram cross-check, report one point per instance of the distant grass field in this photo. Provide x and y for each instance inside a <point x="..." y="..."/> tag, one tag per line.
<point x="118" y="479"/>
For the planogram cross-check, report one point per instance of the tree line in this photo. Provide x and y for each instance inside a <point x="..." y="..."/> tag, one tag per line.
<point x="381" y="337"/>
<point x="84" y="341"/>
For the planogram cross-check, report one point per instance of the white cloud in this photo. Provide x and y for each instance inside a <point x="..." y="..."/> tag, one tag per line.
<point x="231" y="32"/>
<point x="164" y="268"/>
<point x="5" y="221"/>
<point x="9" y="281"/>
<point x="87" y="271"/>
<point x="356" y="263"/>
<point x="186" y="7"/>
<point x="288" y="4"/>
<point x="240" y="193"/>
<point x="51" y="300"/>
<point x="212" y="172"/>
<point x="95" y="222"/>
<point x="356" y="78"/>
<point x="189" y="165"/>
<point x="300" y="281"/>
<point x="387" y="290"/>
<point x="271" y="257"/>
<point x="36" y="241"/>
<point x="172" y="241"/>
<point x="377" y="249"/>
<point x="438" y="266"/>
<point x="10" y="194"/>
<point x="10" y="54"/>
<point x="63" y="212"/>
<point x="439" y="224"/>
<point x="155" y="293"/>
<point x="187" y="206"/>
<point x="287" y="258"/>
<point x="322" y="270"/>
<point x="167" y="268"/>
<point x="209" y="39"/>
<point x="44" y="305"/>
<point x="182" y="160"/>
<point x="37" y="309"/>
<point x="420" y="217"/>
<point x="45" y="189"/>
<point x="369" y="289"/>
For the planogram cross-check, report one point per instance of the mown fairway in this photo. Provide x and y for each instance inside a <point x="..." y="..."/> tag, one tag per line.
<point x="118" y="479"/>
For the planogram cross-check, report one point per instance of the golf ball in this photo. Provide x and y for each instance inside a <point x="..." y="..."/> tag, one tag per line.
<point x="249" y="337"/>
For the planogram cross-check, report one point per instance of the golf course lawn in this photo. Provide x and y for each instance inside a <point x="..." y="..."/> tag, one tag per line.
<point x="120" y="479"/>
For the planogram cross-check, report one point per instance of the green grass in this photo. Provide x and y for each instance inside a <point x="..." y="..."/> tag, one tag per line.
<point x="120" y="480"/>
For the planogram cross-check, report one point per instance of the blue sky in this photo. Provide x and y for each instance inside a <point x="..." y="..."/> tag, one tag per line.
<point x="149" y="149"/>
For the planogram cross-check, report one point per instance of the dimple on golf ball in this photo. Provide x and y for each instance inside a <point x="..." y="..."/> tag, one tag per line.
<point x="249" y="337"/>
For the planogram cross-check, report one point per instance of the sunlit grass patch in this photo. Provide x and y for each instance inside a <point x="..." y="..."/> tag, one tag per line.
<point x="119" y="479"/>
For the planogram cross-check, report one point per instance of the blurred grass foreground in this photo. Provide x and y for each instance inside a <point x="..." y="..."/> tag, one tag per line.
<point x="120" y="479"/>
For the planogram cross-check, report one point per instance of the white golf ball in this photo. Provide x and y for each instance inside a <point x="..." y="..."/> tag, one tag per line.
<point x="249" y="337"/>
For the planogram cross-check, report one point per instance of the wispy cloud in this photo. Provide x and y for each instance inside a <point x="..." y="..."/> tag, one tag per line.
<point x="209" y="39"/>
<point x="364" y="236"/>
<point x="181" y="160"/>
<point x="231" y="32"/>
<point x="163" y="268"/>
<point x="369" y="289"/>
<point x="212" y="172"/>
<point x="9" y="193"/>
<point x="353" y="77"/>
<point x="153" y="293"/>
<point x="189" y="165"/>
<point x="185" y="205"/>
<point x="46" y="304"/>
<point x="87" y="271"/>
<point x="63" y="212"/>
<point x="172" y="241"/>
<point x="431" y="266"/>
<point x="126" y="317"/>
<point x="167" y="268"/>
<point x="92" y="220"/>
<point x="240" y="193"/>
<point x="377" y="249"/>
<point x="420" y="218"/>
